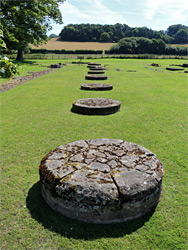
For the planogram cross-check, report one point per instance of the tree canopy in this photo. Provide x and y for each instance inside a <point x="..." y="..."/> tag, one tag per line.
<point x="140" y="45"/>
<point x="173" y="29"/>
<point x="113" y="33"/>
<point x="25" y="22"/>
<point x="53" y="36"/>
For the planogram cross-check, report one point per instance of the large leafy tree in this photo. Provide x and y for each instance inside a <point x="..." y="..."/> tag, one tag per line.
<point x="181" y="36"/>
<point x="105" y="37"/>
<point x="173" y="29"/>
<point x="27" y="21"/>
<point x="138" y="45"/>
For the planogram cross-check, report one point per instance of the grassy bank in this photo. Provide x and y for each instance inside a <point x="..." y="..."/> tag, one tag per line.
<point x="36" y="118"/>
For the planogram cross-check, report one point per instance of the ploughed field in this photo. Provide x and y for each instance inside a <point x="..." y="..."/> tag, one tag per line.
<point x="54" y="43"/>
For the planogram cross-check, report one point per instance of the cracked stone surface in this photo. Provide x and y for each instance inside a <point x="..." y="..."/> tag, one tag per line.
<point x="96" y="106"/>
<point x="120" y="182"/>
<point x="96" y="86"/>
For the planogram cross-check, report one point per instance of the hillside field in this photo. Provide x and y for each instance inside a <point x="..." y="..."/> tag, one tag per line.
<point x="54" y="43"/>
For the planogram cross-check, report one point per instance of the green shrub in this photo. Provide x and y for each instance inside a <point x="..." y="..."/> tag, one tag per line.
<point x="9" y="69"/>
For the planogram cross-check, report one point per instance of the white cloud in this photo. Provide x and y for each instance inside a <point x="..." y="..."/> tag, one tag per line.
<point x="86" y="11"/>
<point x="151" y="8"/>
<point x="171" y="10"/>
<point x="90" y="12"/>
<point x="155" y="14"/>
<point x="71" y="13"/>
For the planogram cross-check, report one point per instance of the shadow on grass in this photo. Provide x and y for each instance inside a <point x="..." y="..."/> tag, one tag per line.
<point x="21" y="63"/>
<point x="55" y="222"/>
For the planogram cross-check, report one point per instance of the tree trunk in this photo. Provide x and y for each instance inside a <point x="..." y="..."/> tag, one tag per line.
<point x="19" y="55"/>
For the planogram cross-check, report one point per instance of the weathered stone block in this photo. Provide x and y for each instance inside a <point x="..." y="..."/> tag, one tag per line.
<point x="96" y="86"/>
<point x="101" y="191"/>
<point x="96" y="106"/>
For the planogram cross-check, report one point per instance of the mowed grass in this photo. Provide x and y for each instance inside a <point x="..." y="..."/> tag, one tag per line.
<point x="55" y="43"/>
<point x="36" y="118"/>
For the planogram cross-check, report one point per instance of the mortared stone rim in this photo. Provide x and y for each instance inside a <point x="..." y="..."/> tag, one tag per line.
<point x="96" y="106"/>
<point x="96" y="86"/>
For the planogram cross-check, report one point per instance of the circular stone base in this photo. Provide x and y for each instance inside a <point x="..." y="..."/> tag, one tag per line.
<point x="95" y="72"/>
<point x="96" y="86"/>
<point x="185" y="65"/>
<point x="96" y="106"/>
<point x="96" y="77"/>
<point x="174" y="69"/>
<point x="79" y="62"/>
<point x="101" y="180"/>
<point x="94" y="64"/>
<point x="96" y="68"/>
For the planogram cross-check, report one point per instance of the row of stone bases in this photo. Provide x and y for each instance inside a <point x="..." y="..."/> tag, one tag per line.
<point x="96" y="106"/>
<point x="101" y="180"/>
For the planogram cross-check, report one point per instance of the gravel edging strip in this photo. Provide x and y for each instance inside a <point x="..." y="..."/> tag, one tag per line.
<point x="15" y="81"/>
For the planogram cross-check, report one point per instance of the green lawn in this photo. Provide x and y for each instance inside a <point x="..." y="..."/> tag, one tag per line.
<point x="36" y="118"/>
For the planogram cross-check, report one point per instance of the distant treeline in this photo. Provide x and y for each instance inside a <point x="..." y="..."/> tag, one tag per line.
<point x="177" y="34"/>
<point x="141" y="45"/>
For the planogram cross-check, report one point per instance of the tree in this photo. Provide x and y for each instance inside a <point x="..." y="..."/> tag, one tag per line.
<point x="2" y="43"/>
<point x="138" y="45"/>
<point x="127" y="45"/>
<point x="53" y="36"/>
<point x="25" y="22"/>
<point x="71" y="33"/>
<point x="105" y="37"/>
<point x="181" y="37"/>
<point x="173" y="29"/>
<point x="143" y="45"/>
<point x="158" y="46"/>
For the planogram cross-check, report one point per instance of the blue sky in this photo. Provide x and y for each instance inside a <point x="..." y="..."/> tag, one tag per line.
<point x="154" y="14"/>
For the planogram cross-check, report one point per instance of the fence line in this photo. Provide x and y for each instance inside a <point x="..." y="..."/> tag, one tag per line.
<point x="96" y="56"/>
